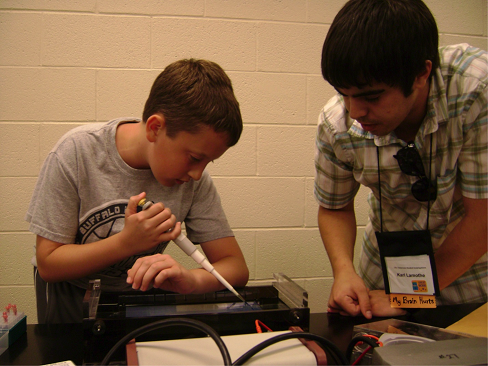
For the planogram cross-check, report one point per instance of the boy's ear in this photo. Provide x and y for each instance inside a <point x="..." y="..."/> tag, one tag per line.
<point x="155" y="125"/>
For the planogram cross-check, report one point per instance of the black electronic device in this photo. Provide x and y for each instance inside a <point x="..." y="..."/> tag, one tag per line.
<point x="108" y="316"/>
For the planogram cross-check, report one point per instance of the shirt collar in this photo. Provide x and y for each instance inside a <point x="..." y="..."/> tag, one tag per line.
<point x="437" y="108"/>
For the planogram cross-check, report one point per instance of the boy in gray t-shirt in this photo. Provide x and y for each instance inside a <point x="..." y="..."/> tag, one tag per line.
<point x="87" y="227"/>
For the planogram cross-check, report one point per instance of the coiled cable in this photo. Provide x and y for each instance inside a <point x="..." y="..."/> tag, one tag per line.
<point x="167" y="323"/>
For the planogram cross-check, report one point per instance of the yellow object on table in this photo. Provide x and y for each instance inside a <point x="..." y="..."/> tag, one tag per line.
<point x="474" y="323"/>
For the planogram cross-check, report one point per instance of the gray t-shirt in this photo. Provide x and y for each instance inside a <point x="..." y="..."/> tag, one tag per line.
<point x="84" y="187"/>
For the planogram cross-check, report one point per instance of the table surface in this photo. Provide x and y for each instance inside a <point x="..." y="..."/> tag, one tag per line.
<point x="46" y="344"/>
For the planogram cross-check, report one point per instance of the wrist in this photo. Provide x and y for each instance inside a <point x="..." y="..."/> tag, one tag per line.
<point x="344" y="269"/>
<point x="121" y="244"/>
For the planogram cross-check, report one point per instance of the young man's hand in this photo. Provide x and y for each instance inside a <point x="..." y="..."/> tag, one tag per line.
<point x="380" y="304"/>
<point x="161" y="271"/>
<point x="349" y="296"/>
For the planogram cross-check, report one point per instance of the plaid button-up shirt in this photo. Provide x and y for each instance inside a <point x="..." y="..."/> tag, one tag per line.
<point x="347" y="157"/>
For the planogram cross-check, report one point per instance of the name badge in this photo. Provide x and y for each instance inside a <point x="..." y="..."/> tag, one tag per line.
<point x="410" y="275"/>
<point x="408" y="266"/>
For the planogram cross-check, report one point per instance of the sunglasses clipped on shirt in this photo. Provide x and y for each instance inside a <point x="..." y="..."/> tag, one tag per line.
<point x="410" y="163"/>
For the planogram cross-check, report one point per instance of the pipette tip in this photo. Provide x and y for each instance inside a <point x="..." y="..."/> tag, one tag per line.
<point x="240" y="298"/>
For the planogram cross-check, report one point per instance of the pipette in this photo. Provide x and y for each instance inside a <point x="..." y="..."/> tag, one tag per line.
<point x="191" y="250"/>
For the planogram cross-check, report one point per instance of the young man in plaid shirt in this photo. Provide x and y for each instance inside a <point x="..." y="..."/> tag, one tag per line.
<point x="395" y="87"/>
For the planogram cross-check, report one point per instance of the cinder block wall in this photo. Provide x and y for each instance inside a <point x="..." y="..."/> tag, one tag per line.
<point x="65" y="63"/>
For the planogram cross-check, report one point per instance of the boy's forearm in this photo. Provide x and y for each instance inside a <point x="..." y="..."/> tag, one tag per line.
<point x="60" y="262"/>
<point x="234" y="270"/>
<point x="226" y="257"/>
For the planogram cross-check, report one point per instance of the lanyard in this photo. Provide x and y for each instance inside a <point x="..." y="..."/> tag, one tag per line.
<point x="379" y="184"/>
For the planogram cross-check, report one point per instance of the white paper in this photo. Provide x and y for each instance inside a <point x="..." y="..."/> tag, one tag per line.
<point x="410" y="275"/>
<point x="204" y="351"/>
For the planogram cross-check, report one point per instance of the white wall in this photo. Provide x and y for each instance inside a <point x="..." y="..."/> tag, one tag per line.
<point x="64" y="63"/>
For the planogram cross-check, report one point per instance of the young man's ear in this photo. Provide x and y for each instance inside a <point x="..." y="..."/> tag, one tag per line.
<point x="423" y="77"/>
<point x="155" y="125"/>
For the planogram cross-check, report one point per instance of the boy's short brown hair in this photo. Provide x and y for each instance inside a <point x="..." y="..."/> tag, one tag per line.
<point x="191" y="93"/>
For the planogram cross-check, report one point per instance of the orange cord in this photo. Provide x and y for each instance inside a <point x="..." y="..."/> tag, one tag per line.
<point x="367" y="349"/>
<point x="258" y="328"/>
<point x="374" y="337"/>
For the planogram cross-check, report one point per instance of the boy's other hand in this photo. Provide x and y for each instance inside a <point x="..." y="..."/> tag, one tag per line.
<point x="161" y="271"/>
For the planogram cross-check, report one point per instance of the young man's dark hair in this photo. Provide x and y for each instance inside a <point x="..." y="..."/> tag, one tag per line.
<point x="191" y="93"/>
<point x="380" y="41"/>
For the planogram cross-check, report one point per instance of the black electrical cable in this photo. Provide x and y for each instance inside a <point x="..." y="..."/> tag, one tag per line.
<point x="172" y="322"/>
<point x="373" y="343"/>
<point x="324" y="343"/>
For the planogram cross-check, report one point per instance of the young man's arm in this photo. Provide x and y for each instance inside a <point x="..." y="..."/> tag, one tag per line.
<point x="349" y="295"/>
<point x="465" y="244"/>
<point x="162" y="271"/>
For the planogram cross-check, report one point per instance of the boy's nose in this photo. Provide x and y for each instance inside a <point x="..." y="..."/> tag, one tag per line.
<point x="196" y="173"/>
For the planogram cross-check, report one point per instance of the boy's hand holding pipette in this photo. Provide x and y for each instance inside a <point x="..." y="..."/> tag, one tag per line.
<point x="159" y="270"/>
<point x="146" y="229"/>
<point x="164" y="272"/>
